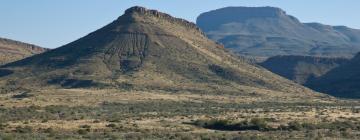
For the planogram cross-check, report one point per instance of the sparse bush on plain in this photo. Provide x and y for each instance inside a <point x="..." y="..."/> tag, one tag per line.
<point x="111" y="125"/>
<point x="26" y="129"/>
<point x="254" y="124"/>
<point x="82" y="131"/>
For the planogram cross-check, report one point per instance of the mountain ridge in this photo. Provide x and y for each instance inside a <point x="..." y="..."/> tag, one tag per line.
<point x="140" y="51"/>
<point x="11" y="50"/>
<point x="250" y="31"/>
<point x="302" y="69"/>
<point x="342" y="81"/>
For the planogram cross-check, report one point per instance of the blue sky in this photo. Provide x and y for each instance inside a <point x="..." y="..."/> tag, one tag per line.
<point x="51" y="23"/>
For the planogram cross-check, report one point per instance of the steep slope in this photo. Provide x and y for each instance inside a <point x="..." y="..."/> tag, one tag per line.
<point x="148" y="50"/>
<point x="268" y="31"/>
<point x="301" y="68"/>
<point x="343" y="81"/>
<point x="11" y="50"/>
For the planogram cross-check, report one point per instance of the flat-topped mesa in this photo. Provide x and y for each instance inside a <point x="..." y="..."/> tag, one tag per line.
<point x="257" y="11"/>
<point x="244" y="13"/>
<point x="148" y="12"/>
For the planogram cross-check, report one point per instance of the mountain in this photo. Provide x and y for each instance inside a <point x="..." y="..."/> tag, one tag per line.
<point x="148" y="50"/>
<point x="267" y="31"/>
<point x="343" y="81"/>
<point x="302" y="68"/>
<point x="11" y="50"/>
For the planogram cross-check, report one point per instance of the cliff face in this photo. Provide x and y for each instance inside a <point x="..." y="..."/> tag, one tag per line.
<point x="268" y="31"/>
<point x="147" y="12"/>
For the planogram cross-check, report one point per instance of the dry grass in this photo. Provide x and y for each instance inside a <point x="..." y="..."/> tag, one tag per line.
<point x="89" y="97"/>
<point x="149" y="121"/>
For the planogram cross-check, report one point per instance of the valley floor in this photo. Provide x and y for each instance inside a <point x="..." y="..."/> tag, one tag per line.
<point x="114" y="114"/>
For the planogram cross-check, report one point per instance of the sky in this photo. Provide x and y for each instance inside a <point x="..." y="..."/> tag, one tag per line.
<point x="53" y="23"/>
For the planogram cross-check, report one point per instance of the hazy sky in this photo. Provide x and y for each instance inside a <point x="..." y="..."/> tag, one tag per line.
<point x="53" y="23"/>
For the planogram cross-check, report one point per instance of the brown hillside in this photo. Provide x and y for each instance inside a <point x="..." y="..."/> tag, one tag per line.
<point x="149" y="50"/>
<point x="11" y="50"/>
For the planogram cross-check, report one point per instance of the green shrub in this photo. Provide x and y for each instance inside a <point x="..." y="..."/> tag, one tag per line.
<point x="253" y="124"/>
<point x="85" y="126"/>
<point x="6" y="138"/>
<point x="82" y="131"/>
<point x="22" y="95"/>
<point x="111" y="125"/>
<point x="294" y="126"/>
<point x="309" y="126"/>
<point x="49" y="130"/>
<point x="2" y="126"/>
<point x="26" y="129"/>
<point x="259" y="124"/>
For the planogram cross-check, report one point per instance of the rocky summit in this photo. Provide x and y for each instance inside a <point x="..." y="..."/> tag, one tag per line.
<point x="147" y="50"/>
<point x="263" y="32"/>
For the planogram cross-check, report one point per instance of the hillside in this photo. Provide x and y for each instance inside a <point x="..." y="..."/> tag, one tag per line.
<point x="148" y="75"/>
<point x="342" y="81"/>
<point x="11" y="50"/>
<point x="267" y="31"/>
<point x="301" y="68"/>
<point x="148" y="50"/>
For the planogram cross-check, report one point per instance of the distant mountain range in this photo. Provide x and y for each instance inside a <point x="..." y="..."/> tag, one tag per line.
<point x="11" y="50"/>
<point x="267" y="31"/>
<point x="301" y="69"/>
<point x="343" y="81"/>
<point x="148" y="50"/>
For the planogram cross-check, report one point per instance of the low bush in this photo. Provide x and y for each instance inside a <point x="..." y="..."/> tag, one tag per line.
<point x="49" y="130"/>
<point x="85" y="126"/>
<point x="254" y="124"/>
<point x="337" y="125"/>
<point x="2" y="126"/>
<point x="295" y="126"/>
<point x="26" y="129"/>
<point x="22" y="95"/>
<point x="82" y="132"/>
<point x="111" y="125"/>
